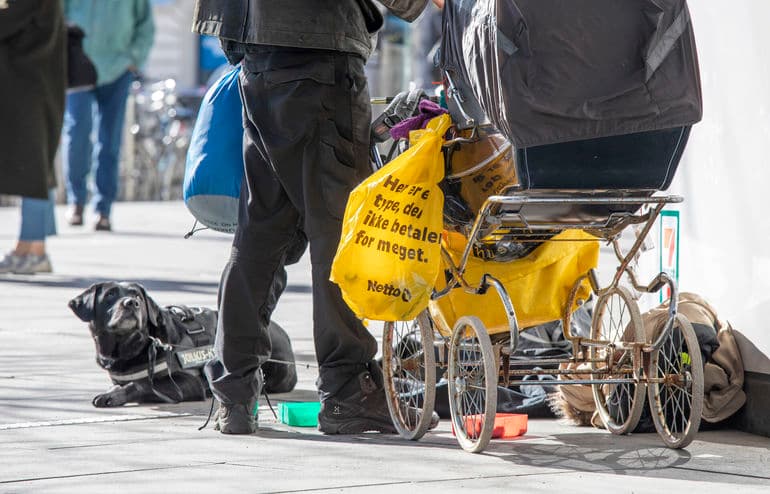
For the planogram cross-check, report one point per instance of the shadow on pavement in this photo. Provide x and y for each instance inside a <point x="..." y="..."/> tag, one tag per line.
<point x="594" y="452"/>
<point x="151" y="284"/>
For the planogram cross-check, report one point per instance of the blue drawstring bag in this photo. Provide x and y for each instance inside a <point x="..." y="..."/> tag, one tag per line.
<point x="214" y="168"/>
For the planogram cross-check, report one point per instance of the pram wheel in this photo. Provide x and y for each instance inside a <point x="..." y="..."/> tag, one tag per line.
<point x="676" y="388"/>
<point x="617" y="320"/>
<point x="409" y="366"/>
<point x="473" y="376"/>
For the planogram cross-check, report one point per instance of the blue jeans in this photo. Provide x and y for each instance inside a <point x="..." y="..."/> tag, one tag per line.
<point x="37" y="218"/>
<point x="106" y="105"/>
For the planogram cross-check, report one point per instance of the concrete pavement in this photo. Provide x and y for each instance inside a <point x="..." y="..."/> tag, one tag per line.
<point x="53" y="440"/>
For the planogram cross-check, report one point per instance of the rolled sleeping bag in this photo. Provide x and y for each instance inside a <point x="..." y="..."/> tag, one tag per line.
<point x="214" y="167"/>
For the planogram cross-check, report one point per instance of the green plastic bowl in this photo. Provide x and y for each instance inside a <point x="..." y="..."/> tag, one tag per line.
<point x="299" y="414"/>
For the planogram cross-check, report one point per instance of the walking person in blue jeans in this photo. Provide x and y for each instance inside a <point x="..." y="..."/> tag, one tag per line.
<point x="119" y="35"/>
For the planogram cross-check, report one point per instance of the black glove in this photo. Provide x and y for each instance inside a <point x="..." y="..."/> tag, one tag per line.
<point x="403" y="106"/>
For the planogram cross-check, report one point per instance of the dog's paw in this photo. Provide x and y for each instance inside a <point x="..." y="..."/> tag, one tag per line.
<point x="112" y="398"/>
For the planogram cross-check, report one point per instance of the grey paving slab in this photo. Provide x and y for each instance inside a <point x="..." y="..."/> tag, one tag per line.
<point x="53" y="440"/>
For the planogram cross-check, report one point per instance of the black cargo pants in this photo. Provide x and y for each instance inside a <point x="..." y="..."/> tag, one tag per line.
<point x="306" y="137"/>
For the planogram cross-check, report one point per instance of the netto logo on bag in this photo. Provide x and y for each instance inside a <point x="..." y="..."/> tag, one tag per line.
<point x="388" y="290"/>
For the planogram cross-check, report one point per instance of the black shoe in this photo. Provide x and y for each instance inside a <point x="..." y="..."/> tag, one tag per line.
<point x="75" y="215"/>
<point x="362" y="411"/>
<point x="240" y="418"/>
<point x="236" y="418"/>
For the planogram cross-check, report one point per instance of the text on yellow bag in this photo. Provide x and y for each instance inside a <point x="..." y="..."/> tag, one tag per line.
<point x="389" y="252"/>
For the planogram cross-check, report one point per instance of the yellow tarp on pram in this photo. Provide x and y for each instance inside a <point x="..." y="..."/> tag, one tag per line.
<point x="538" y="284"/>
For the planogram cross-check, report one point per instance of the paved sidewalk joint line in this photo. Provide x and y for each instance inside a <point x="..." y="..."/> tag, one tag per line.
<point x="91" y="420"/>
<point x="112" y="472"/>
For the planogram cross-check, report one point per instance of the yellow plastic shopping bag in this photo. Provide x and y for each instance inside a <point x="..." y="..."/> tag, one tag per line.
<point x="389" y="253"/>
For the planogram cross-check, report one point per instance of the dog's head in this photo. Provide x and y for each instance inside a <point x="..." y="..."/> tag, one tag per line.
<point x="121" y="317"/>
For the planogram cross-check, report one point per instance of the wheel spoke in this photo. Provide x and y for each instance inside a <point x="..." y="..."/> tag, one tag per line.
<point x="673" y="395"/>
<point x="617" y="321"/>
<point x="406" y="346"/>
<point x="469" y="385"/>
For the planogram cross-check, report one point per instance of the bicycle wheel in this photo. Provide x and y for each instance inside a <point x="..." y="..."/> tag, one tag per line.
<point x="473" y="375"/>
<point x="676" y="390"/>
<point x="616" y="319"/>
<point x="409" y="366"/>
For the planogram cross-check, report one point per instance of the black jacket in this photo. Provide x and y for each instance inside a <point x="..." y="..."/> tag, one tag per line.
<point x="340" y="25"/>
<point x="32" y="88"/>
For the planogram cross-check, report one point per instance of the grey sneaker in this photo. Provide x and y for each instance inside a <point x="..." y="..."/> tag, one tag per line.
<point x="236" y="418"/>
<point x="31" y="264"/>
<point x="10" y="262"/>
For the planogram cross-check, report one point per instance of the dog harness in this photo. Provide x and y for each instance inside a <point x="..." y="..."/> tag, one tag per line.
<point x="189" y="355"/>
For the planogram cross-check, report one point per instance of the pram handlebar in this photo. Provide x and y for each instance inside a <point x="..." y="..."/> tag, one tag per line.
<point x="386" y="100"/>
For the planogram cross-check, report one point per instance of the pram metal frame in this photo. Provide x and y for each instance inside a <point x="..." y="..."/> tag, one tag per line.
<point x="624" y="259"/>
<point x="615" y="361"/>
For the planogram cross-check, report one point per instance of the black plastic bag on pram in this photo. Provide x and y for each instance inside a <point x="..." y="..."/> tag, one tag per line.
<point x="551" y="71"/>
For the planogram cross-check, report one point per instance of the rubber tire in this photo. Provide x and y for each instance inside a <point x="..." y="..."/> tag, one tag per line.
<point x="601" y="392"/>
<point x="677" y="440"/>
<point x="391" y="365"/>
<point x="489" y="366"/>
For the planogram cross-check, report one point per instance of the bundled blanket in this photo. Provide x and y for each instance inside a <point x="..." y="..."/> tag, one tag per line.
<point x="723" y="366"/>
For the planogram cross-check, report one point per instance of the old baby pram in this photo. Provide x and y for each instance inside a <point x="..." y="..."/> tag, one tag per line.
<point x="570" y="119"/>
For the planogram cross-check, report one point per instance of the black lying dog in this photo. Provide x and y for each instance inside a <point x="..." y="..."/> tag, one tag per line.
<point x="156" y="354"/>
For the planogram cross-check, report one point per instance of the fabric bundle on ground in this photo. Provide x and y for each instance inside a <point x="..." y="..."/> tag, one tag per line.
<point x="723" y="367"/>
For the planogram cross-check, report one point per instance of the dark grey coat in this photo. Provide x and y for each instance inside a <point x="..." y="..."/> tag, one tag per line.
<point x="339" y="25"/>
<point x="32" y="89"/>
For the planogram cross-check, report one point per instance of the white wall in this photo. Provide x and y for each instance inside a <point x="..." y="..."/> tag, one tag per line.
<point x="725" y="173"/>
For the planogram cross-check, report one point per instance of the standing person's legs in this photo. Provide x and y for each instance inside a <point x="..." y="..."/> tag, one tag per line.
<point x="37" y="218"/>
<point x="111" y="103"/>
<point x="312" y="113"/>
<point x="252" y="280"/>
<point x="37" y="223"/>
<point x="77" y="151"/>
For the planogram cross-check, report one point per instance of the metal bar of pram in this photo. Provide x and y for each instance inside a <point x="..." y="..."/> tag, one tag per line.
<point x="672" y="313"/>
<point x="516" y="200"/>
<point x="534" y="382"/>
<point x="556" y="226"/>
<point x="626" y="260"/>
<point x="618" y="345"/>
<point x="480" y="219"/>
<point x="569" y="372"/>
<point x="553" y="361"/>
<point x="376" y="158"/>
<point x="386" y="100"/>
<point x="524" y="199"/>
<point x="513" y="323"/>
